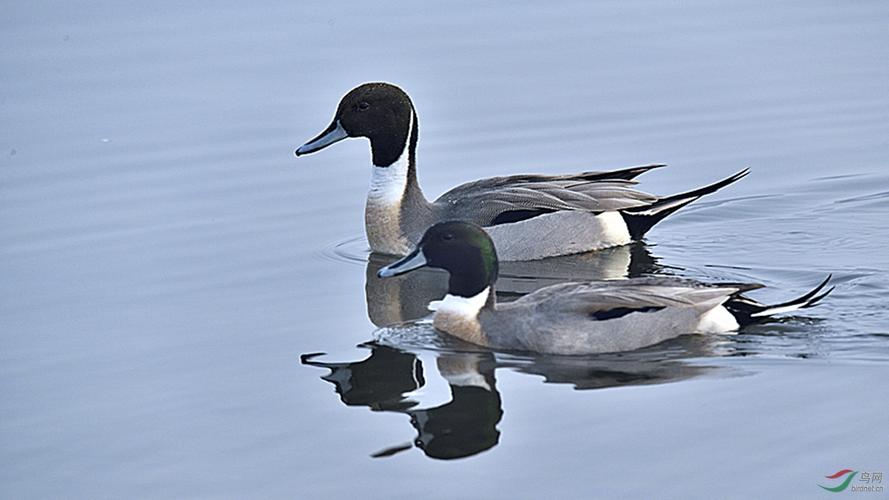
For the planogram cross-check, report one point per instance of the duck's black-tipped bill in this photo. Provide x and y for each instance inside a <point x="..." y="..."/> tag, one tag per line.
<point x="333" y="134"/>
<point x="414" y="260"/>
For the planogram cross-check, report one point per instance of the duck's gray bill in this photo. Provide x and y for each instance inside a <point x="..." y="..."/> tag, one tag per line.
<point x="334" y="133"/>
<point x="414" y="260"/>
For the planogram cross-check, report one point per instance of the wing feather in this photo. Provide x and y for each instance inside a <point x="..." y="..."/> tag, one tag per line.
<point x="590" y="297"/>
<point x="484" y="201"/>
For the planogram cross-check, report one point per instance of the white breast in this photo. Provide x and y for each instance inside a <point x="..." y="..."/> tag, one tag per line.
<point x="463" y="307"/>
<point x="458" y="316"/>
<point x="387" y="184"/>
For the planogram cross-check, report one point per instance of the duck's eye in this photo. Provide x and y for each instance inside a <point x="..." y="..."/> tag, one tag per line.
<point x="363" y="105"/>
<point x="447" y="236"/>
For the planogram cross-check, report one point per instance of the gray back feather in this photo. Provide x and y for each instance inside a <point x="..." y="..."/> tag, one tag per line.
<point x="482" y="201"/>
<point x="586" y="298"/>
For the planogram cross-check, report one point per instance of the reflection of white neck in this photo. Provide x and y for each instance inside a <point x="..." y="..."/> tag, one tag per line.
<point x="462" y="369"/>
<point x="387" y="184"/>
<point x="462" y="307"/>
<point x="463" y="376"/>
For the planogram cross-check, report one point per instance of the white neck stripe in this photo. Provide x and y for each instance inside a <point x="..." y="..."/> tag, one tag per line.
<point x="387" y="184"/>
<point x="466" y="307"/>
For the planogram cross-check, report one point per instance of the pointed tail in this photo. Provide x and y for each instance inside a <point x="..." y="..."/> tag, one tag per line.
<point x="626" y="174"/>
<point x="747" y="310"/>
<point x="639" y="220"/>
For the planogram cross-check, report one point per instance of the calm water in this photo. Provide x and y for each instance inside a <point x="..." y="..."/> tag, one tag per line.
<point x="170" y="274"/>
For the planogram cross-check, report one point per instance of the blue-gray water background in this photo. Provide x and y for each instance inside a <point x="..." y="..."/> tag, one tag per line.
<point x="165" y="260"/>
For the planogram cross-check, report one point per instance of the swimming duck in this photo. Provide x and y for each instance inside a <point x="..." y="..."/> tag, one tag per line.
<point x="528" y="216"/>
<point x="576" y="318"/>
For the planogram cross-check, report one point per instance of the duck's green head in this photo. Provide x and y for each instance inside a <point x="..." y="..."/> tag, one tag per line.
<point x="381" y="112"/>
<point x="464" y="250"/>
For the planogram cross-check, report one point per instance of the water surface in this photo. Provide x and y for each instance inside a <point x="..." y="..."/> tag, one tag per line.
<point x="170" y="273"/>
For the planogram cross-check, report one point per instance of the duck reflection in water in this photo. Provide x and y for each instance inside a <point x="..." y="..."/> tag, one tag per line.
<point x="464" y="426"/>
<point x="406" y="297"/>
<point x="395" y="380"/>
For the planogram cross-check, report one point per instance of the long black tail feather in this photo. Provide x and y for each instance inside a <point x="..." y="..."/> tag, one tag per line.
<point x="747" y="310"/>
<point x="639" y="220"/>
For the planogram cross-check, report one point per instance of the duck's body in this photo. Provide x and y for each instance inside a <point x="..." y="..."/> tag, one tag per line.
<point x="576" y="318"/>
<point x="528" y="216"/>
<point x="594" y="317"/>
